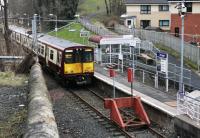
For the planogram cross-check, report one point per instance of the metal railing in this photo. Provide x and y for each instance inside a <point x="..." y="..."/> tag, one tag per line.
<point x="168" y="40"/>
<point x="95" y="29"/>
<point x="145" y="45"/>
<point x="147" y="70"/>
<point x="189" y="106"/>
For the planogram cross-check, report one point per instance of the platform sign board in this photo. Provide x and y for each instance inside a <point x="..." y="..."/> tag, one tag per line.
<point x="84" y="33"/>
<point x="162" y="62"/>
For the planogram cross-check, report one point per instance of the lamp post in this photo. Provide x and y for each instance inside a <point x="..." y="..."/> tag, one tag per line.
<point x="25" y="14"/>
<point x="77" y="16"/>
<point x="198" y="58"/>
<point x="56" y="25"/>
<point x="182" y="10"/>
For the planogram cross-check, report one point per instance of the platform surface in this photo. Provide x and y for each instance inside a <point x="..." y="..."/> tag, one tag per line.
<point x="163" y="101"/>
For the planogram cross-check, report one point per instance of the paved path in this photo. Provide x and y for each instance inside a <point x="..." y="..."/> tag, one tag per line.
<point x="147" y="90"/>
<point x="156" y="98"/>
<point x="195" y="78"/>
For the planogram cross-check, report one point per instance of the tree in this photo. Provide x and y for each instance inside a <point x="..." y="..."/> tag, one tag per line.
<point x="6" y="29"/>
<point x="107" y="10"/>
<point x="116" y="7"/>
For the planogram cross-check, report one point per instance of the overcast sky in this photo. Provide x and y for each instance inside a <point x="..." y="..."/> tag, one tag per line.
<point x="2" y="2"/>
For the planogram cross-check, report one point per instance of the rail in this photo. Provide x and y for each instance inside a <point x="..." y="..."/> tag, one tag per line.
<point x="100" y="114"/>
<point x="151" y="129"/>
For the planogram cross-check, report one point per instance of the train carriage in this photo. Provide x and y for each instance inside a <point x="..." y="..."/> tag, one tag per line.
<point x="72" y="61"/>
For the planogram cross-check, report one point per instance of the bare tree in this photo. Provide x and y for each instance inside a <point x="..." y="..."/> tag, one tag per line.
<point x="6" y="29"/>
<point x="107" y="10"/>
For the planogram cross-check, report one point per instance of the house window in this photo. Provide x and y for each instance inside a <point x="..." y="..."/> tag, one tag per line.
<point x="163" y="23"/>
<point x="129" y="22"/>
<point x="189" y="6"/>
<point x="145" y="9"/>
<point x="51" y="54"/>
<point x="163" y="7"/>
<point x="145" y="23"/>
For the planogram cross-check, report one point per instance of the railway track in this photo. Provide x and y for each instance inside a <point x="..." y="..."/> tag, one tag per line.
<point x="93" y="103"/>
<point x="101" y="117"/>
<point x="151" y="129"/>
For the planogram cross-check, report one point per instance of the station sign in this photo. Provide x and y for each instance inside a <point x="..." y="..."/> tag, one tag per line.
<point x="84" y="33"/>
<point x="162" y="62"/>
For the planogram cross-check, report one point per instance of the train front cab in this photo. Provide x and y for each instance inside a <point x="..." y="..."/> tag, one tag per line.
<point x="79" y="64"/>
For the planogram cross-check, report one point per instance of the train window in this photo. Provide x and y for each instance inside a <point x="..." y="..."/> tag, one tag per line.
<point x="69" y="57"/>
<point x="88" y="55"/>
<point x="42" y="50"/>
<point x="77" y="55"/>
<point x="39" y="50"/>
<point x="17" y="37"/>
<point x="59" y="56"/>
<point x="51" y="54"/>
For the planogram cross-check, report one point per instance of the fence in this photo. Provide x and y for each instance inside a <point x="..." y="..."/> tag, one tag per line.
<point x="174" y="71"/>
<point x="96" y="29"/>
<point x="191" y="51"/>
<point x="145" y="73"/>
<point x="189" y="106"/>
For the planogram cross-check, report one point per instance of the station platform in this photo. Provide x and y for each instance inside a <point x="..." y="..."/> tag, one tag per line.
<point x="163" y="101"/>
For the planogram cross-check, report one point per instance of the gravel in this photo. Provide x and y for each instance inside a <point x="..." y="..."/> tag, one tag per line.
<point x="13" y="110"/>
<point x="71" y="119"/>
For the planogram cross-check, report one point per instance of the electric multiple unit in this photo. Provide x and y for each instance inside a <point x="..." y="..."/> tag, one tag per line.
<point x="72" y="61"/>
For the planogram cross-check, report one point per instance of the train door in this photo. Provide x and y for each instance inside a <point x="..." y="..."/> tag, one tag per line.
<point x="87" y="60"/>
<point x="47" y="56"/>
<point x="78" y="58"/>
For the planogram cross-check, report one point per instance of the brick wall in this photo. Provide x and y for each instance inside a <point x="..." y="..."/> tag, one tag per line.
<point x="192" y="26"/>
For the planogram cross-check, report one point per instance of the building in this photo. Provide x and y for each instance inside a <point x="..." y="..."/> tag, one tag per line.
<point x="146" y="13"/>
<point x="164" y="14"/>
<point x="192" y="20"/>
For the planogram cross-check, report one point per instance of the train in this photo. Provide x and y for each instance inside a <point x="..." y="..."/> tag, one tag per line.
<point x="70" y="61"/>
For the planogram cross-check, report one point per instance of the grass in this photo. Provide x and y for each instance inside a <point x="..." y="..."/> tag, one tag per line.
<point x="175" y="54"/>
<point x="72" y="33"/>
<point x="10" y="128"/>
<point x="10" y="79"/>
<point x="91" y="7"/>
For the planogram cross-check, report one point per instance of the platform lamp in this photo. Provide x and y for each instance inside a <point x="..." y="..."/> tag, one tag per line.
<point x="198" y="57"/>
<point x="56" y="26"/>
<point x="181" y="10"/>
<point x="28" y="24"/>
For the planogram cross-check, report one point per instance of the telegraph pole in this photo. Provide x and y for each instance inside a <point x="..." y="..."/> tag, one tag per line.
<point x="181" y="90"/>
<point x="182" y="10"/>
<point x="34" y="32"/>
<point x="6" y="29"/>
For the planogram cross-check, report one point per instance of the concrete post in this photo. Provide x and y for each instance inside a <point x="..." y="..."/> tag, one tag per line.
<point x="110" y="54"/>
<point x="41" y="120"/>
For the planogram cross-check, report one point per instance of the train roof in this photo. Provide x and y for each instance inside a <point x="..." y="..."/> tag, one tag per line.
<point x="47" y="39"/>
<point x="18" y="29"/>
<point x="57" y="42"/>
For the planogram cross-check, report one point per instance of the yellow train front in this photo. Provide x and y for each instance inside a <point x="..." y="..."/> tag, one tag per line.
<point x="78" y="64"/>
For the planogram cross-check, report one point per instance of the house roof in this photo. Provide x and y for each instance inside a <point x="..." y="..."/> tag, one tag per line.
<point x="146" y="2"/>
<point x="155" y="1"/>
<point x="185" y="0"/>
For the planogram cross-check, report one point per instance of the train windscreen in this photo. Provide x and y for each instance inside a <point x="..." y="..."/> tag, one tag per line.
<point x="69" y="56"/>
<point x="73" y="56"/>
<point x="88" y="55"/>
